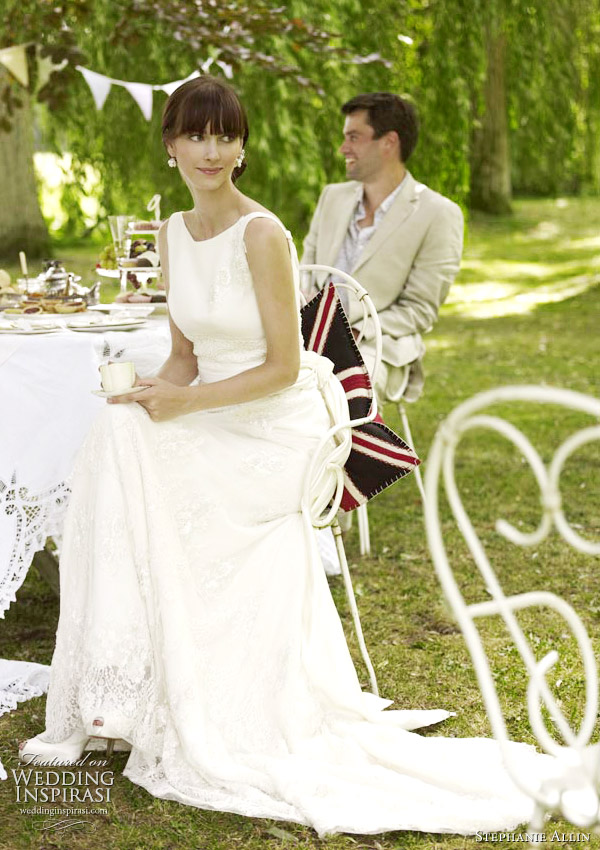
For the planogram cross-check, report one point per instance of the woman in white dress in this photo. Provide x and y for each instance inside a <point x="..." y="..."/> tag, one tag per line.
<point x="196" y="621"/>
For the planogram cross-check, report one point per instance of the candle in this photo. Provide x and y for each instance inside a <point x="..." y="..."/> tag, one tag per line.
<point x="23" y="261"/>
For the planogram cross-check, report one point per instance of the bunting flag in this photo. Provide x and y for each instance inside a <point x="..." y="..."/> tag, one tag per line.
<point x="227" y="69"/>
<point x="169" y="88"/>
<point x="46" y="67"/>
<point x="142" y="94"/>
<point x="14" y="60"/>
<point x="100" y="86"/>
<point x="98" y="83"/>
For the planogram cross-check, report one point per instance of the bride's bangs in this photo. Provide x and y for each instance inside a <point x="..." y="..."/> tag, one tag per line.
<point x="204" y="103"/>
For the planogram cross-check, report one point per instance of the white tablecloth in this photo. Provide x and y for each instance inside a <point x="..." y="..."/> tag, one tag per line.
<point x="20" y="681"/>
<point x="46" y="409"/>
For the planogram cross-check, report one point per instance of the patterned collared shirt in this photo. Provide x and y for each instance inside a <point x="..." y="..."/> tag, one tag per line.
<point x="357" y="237"/>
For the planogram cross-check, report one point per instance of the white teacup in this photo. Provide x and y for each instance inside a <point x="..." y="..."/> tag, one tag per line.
<point x="117" y="377"/>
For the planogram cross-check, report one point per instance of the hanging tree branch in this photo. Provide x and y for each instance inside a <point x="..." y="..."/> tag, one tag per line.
<point x="231" y="33"/>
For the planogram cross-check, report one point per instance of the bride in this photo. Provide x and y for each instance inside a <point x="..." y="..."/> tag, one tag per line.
<point x="196" y="621"/>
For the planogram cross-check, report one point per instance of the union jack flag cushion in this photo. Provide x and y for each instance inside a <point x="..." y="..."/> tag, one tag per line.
<point x="378" y="456"/>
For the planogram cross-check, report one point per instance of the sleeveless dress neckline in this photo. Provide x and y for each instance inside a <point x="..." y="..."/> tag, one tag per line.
<point x="216" y="236"/>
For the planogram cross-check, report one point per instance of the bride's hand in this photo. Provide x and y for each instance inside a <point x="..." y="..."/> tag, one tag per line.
<point x="161" y="399"/>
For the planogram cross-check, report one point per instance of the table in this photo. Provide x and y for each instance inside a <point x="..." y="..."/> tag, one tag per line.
<point x="46" y="409"/>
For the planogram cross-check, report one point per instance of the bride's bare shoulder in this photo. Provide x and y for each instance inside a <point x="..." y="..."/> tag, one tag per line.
<point x="260" y="222"/>
<point x="261" y="228"/>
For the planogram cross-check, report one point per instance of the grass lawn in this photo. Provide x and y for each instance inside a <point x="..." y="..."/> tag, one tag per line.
<point x="524" y="310"/>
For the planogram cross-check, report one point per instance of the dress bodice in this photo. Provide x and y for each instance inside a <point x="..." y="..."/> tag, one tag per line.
<point x="212" y="299"/>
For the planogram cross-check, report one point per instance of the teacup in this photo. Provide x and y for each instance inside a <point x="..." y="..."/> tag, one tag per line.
<point x="117" y="377"/>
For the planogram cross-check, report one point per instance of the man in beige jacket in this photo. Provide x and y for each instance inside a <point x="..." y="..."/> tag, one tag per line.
<point x="401" y="240"/>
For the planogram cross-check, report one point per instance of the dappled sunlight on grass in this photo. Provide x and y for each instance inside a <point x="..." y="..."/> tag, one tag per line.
<point x="440" y="343"/>
<point x="592" y="242"/>
<point x="504" y="268"/>
<point x="495" y="299"/>
<point x="543" y="230"/>
<point x="547" y="252"/>
<point x="533" y="271"/>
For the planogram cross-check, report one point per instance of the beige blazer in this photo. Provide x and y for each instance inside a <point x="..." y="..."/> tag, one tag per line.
<point x="407" y="266"/>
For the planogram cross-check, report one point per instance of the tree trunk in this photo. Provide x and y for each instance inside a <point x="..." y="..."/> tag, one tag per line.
<point x="22" y="227"/>
<point x="490" y="166"/>
<point x="592" y="128"/>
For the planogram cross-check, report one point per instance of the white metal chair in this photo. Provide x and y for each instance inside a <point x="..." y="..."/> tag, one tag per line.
<point x="573" y="794"/>
<point x="324" y="482"/>
<point x="397" y="397"/>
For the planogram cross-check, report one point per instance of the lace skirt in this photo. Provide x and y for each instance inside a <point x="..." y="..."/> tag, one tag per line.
<point x="195" y="611"/>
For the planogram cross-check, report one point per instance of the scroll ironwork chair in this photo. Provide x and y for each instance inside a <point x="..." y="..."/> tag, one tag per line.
<point x="324" y="481"/>
<point x="344" y="280"/>
<point x="573" y="790"/>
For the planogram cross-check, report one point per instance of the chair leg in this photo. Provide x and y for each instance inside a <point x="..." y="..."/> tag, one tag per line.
<point x="417" y="471"/>
<point x="362" y="513"/>
<point x="364" y="537"/>
<point x="337" y="533"/>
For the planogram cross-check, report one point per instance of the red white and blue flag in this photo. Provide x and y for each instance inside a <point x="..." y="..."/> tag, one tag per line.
<point x="378" y="457"/>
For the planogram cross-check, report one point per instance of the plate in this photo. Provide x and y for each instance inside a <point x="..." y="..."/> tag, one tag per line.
<point x="107" y="272"/>
<point x="16" y="329"/>
<point x="107" y="324"/>
<point x="115" y="393"/>
<point x="126" y="310"/>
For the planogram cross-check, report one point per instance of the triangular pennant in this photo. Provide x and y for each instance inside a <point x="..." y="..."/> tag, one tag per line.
<point x="15" y="60"/>
<point x="142" y="94"/>
<point x="227" y="69"/>
<point x="169" y="88"/>
<point x="45" y="68"/>
<point x="99" y="85"/>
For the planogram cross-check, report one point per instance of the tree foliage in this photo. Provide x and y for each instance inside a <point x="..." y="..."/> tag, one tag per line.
<point x="294" y="65"/>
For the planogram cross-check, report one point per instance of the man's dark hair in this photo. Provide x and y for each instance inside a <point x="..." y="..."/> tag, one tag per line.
<point x="387" y="112"/>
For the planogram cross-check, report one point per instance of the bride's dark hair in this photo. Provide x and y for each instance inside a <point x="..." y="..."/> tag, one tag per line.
<point x="205" y="102"/>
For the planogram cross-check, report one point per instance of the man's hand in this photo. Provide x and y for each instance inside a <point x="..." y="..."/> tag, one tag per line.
<point x="161" y="399"/>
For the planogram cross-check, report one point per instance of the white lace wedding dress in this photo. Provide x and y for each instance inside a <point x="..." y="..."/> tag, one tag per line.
<point x="195" y="609"/>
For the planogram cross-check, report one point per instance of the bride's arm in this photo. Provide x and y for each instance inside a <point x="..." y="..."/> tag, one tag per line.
<point x="271" y="269"/>
<point x="181" y="366"/>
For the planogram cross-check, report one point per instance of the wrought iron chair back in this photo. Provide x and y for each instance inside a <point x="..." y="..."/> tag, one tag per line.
<point x="324" y="481"/>
<point x="342" y="280"/>
<point x="573" y="793"/>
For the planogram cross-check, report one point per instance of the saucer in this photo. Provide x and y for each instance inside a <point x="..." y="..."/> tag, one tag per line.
<point x="104" y="323"/>
<point x="115" y="393"/>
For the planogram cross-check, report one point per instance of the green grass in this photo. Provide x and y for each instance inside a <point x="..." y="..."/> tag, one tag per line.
<point x="419" y="655"/>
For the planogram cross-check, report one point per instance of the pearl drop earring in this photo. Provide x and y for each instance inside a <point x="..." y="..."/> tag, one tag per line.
<point x="240" y="158"/>
<point x="172" y="162"/>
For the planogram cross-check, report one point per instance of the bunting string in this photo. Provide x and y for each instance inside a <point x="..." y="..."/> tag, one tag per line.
<point x="100" y="86"/>
<point x="14" y="59"/>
